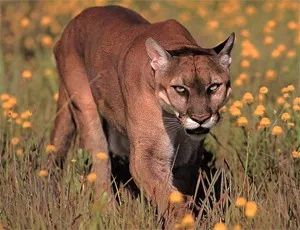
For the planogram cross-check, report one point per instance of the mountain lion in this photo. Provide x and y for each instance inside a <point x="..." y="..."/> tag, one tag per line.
<point x="146" y="91"/>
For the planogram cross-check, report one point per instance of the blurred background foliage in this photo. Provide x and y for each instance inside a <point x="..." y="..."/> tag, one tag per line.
<point x="259" y="136"/>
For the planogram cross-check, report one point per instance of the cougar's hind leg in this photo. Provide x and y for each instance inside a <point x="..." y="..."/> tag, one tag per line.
<point x="84" y="108"/>
<point x="64" y="128"/>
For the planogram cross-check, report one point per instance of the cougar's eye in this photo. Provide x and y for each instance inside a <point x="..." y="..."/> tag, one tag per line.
<point x="213" y="87"/>
<point x="179" y="89"/>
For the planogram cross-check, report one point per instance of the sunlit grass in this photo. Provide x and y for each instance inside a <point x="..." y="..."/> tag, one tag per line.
<point x="257" y="144"/>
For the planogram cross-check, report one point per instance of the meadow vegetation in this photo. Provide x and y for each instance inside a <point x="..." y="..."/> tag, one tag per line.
<point x="256" y="146"/>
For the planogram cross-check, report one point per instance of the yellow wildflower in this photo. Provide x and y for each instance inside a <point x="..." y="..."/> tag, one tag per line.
<point x="245" y="63"/>
<point x="268" y="40"/>
<point x="265" y="122"/>
<point x="275" y="53"/>
<point x="238" y="104"/>
<point x="240" y="201"/>
<point x="296" y="154"/>
<point x="26" y="74"/>
<point x="250" y="10"/>
<point x="270" y="74"/>
<point x="286" y="95"/>
<point x="296" y="107"/>
<point x="213" y="24"/>
<point x="188" y="221"/>
<point x="291" y="124"/>
<point x="263" y="90"/>
<point x="4" y="97"/>
<point x="10" y="103"/>
<point x="50" y="148"/>
<point x="291" y="53"/>
<point x="250" y="209"/>
<point x="248" y="98"/>
<point x="45" y="21"/>
<point x="18" y="121"/>
<point x="43" y="173"/>
<point x="102" y="156"/>
<point x="260" y="110"/>
<point x="176" y="197"/>
<point x="271" y="24"/>
<point x="234" y="111"/>
<point x="15" y="140"/>
<point x="26" y="124"/>
<point x="26" y="114"/>
<point x="238" y="82"/>
<point x="281" y="47"/>
<point x="24" y="22"/>
<point x="296" y="101"/>
<point x="243" y="76"/>
<point x="220" y="226"/>
<point x="242" y="122"/>
<point x="91" y="177"/>
<point x="46" y="41"/>
<point x="290" y="88"/>
<point x="285" y="116"/>
<point x="10" y="114"/>
<point x="292" y="25"/>
<point x="277" y="130"/>
<point x="280" y="100"/>
<point x="284" y="90"/>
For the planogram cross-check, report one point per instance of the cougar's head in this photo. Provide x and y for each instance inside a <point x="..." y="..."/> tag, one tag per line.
<point x="192" y="86"/>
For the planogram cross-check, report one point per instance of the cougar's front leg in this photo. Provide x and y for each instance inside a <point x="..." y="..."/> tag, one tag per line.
<point x="151" y="154"/>
<point x="92" y="137"/>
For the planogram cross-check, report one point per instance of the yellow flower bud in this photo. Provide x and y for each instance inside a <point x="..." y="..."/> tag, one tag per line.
<point x="242" y="122"/>
<point x="102" y="156"/>
<point x="50" y="148"/>
<point x="15" y="141"/>
<point x="220" y="226"/>
<point x="188" y="221"/>
<point x="263" y="90"/>
<point x="296" y="154"/>
<point x="43" y="173"/>
<point x="176" y="197"/>
<point x="234" y="111"/>
<point x="248" y="98"/>
<point x="250" y="209"/>
<point x="277" y="130"/>
<point x="26" y="124"/>
<point x="240" y="201"/>
<point x="285" y="116"/>
<point x="264" y="122"/>
<point x="91" y="177"/>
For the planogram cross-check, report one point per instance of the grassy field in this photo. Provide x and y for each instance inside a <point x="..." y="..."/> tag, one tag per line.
<point x="258" y="139"/>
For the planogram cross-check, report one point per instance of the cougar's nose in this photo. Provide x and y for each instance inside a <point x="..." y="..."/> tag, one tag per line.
<point x="201" y="119"/>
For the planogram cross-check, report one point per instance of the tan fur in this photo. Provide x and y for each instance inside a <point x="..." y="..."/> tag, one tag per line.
<point x="118" y="68"/>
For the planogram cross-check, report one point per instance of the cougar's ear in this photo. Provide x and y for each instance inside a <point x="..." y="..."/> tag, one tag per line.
<point x="223" y="50"/>
<point x="158" y="55"/>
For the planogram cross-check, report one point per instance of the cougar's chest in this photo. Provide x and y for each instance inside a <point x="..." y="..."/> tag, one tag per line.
<point x="185" y="150"/>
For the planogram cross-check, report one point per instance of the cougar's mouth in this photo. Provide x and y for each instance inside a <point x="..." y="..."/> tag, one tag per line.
<point x="203" y="127"/>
